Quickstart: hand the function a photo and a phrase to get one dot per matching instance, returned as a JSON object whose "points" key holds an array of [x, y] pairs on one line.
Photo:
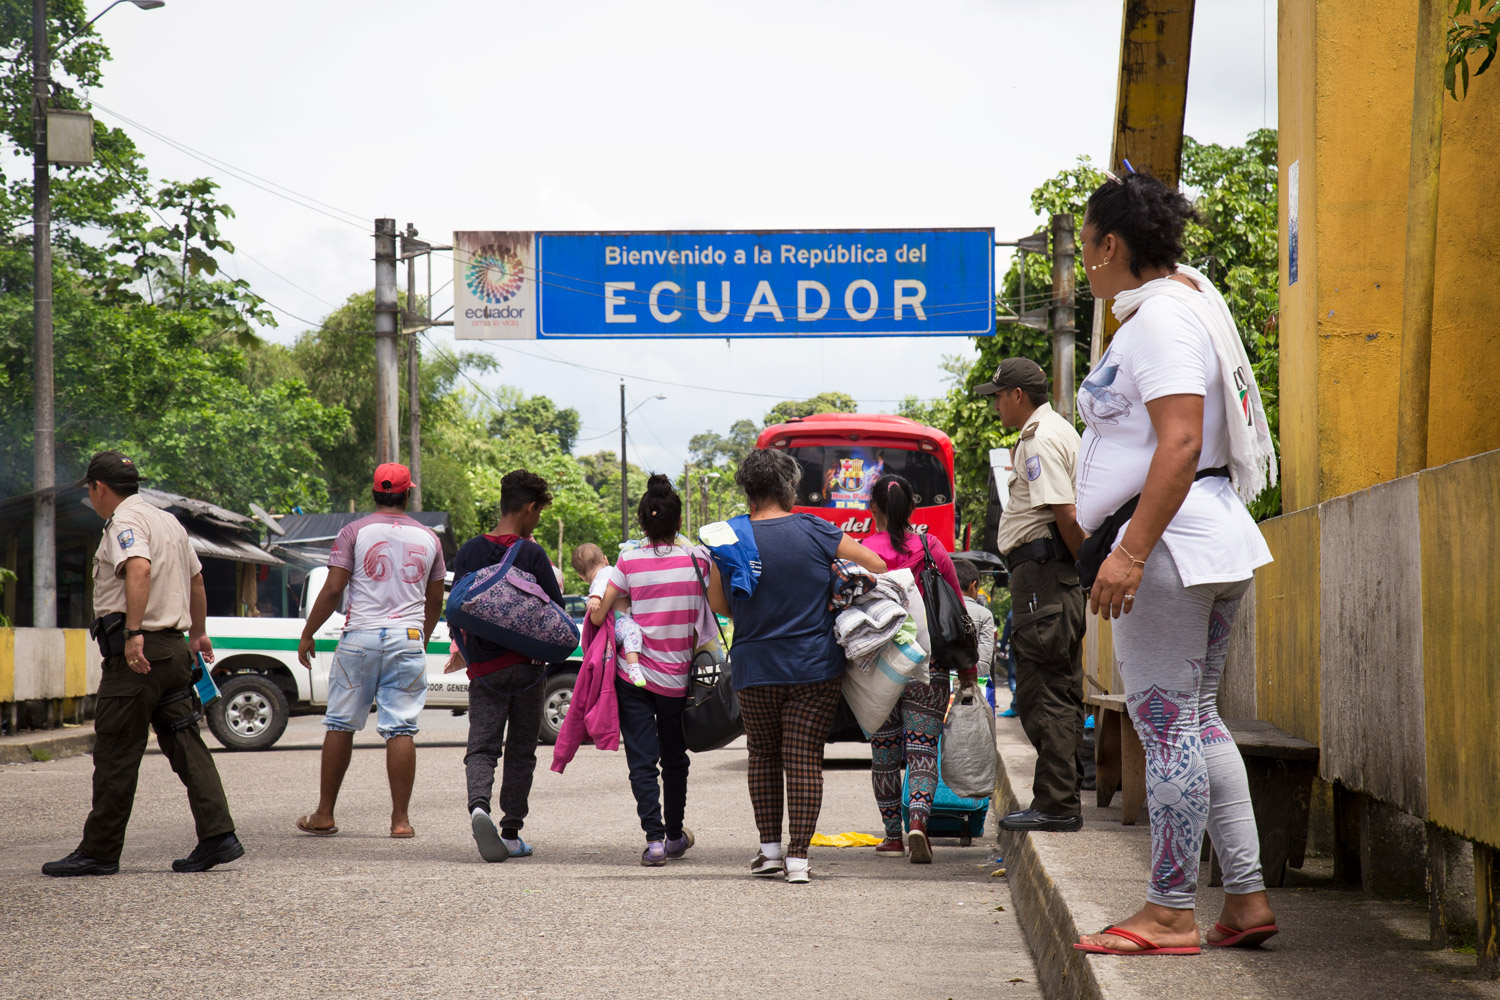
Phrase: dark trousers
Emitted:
{"points": [[505, 717], [786, 726], [127, 707], [651, 726], [1047, 640]]}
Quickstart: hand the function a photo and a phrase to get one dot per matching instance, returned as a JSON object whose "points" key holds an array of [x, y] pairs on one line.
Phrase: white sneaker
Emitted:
{"points": [[487, 836], [798, 874]]}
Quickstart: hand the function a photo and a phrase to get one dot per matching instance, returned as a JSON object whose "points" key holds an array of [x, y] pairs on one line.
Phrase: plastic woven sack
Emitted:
{"points": [[968, 758]]}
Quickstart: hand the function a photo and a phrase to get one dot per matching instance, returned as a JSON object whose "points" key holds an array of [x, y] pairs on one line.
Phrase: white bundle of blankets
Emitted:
{"points": [[883, 629]]}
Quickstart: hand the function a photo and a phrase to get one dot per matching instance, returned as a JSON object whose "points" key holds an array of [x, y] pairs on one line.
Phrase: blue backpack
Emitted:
{"points": [[506, 606]]}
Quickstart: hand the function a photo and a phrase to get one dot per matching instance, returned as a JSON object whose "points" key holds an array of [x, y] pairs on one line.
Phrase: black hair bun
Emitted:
{"points": [[659, 483]]}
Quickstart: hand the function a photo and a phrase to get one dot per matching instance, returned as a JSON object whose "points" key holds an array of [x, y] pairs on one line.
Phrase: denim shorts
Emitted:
{"points": [[383, 667]]}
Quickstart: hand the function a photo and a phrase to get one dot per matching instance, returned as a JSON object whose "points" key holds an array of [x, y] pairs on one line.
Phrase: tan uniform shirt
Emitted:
{"points": [[1044, 464], [137, 529]]}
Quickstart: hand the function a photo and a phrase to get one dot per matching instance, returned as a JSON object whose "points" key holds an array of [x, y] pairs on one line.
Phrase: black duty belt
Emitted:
{"points": [[1040, 550]]}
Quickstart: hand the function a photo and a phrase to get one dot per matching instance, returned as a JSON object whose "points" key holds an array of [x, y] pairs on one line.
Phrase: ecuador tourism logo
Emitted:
{"points": [[495, 274]]}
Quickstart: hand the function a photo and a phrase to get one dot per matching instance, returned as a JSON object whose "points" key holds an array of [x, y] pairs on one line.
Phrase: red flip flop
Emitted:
{"points": [[1250, 937], [1146, 947]]}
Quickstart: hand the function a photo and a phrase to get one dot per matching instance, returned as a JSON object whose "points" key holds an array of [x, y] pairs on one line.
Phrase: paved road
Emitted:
{"points": [[361, 915]]}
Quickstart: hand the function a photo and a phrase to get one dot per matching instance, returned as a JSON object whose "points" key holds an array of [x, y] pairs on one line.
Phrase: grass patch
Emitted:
{"points": [[40, 756]]}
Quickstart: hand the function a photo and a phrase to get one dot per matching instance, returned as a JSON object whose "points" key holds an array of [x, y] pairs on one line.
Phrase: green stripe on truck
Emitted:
{"points": [[290, 645]]}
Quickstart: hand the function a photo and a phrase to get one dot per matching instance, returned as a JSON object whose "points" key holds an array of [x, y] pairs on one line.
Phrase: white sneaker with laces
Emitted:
{"points": [[798, 871]]}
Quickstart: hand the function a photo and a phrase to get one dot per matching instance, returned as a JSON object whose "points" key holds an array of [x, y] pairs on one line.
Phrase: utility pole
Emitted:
{"points": [[1063, 280], [624, 477], [413, 374], [687, 497], [703, 494], [44, 468], [387, 385]]}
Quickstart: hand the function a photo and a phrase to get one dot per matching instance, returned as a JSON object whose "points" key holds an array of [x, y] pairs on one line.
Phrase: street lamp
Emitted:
{"points": [[44, 458], [624, 475]]}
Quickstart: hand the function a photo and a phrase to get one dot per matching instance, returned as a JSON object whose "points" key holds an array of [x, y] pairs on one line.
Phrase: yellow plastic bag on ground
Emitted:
{"points": [[844, 840]]}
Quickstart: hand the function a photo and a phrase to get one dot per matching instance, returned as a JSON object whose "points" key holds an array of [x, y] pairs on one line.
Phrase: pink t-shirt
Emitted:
{"points": [[665, 601], [880, 544], [390, 559]]}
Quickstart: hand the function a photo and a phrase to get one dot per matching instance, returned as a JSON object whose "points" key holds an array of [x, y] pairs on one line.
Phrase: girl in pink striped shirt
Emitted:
{"points": [[659, 582]]}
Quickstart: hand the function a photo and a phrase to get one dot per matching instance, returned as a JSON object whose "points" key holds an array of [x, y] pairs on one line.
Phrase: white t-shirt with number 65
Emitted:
{"points": [[390, 558]]}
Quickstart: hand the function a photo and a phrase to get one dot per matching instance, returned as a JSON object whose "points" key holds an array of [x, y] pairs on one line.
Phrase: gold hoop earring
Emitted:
{"points": [[1096, 267]]}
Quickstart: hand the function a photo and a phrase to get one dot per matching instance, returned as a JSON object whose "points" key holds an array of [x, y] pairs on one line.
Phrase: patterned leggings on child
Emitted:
{"points": [[909, 736], [1171, 650]]}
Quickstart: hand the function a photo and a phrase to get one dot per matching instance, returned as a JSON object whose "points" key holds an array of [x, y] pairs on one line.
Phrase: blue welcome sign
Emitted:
{"points": [[667, 285]]}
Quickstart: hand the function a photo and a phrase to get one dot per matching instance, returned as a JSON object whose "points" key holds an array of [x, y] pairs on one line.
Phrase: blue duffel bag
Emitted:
{"points": [[507, 607]]}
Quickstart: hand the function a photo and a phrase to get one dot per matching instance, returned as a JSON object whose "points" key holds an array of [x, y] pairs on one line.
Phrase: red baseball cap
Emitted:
{"points": [[392, 478]]}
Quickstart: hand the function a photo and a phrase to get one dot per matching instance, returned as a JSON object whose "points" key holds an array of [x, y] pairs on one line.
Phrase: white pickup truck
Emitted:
{"points": [[263, 685]]}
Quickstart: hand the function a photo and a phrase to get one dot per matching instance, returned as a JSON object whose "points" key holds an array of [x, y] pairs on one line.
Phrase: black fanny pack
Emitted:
{"points": [[109, 632], [1096, 548]]}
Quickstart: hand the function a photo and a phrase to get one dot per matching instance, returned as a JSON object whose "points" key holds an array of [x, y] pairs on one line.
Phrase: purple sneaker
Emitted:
{"points": [[655, 854], [676, 847]]}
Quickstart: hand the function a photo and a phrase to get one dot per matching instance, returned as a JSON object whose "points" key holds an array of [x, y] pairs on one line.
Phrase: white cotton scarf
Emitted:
{"points": [[1252, 456]]}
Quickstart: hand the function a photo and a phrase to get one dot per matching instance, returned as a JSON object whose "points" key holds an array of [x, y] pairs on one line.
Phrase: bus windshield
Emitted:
{"points": [[842, 476]]}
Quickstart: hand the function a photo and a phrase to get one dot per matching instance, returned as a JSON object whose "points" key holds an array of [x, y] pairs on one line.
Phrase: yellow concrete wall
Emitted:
{"points": [[1288, 626], [7, 664], [1346, 88], [1461, 644]]}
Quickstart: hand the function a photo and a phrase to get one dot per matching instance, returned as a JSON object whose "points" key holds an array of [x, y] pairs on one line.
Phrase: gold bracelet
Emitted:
{"points": [[1134, 562]]}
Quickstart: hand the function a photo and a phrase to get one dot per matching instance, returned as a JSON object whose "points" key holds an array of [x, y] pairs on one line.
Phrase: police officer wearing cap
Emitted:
{"points": [[148, 589], [1038, 539]]}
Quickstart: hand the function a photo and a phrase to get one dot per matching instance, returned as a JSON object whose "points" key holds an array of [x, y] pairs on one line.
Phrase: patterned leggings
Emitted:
{"points": [[1171, 650], [910, 736], [786, 726]]}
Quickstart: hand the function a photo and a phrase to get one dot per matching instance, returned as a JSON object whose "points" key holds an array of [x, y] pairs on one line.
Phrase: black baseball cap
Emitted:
{"points": [[112, 469], [1015, 373]]}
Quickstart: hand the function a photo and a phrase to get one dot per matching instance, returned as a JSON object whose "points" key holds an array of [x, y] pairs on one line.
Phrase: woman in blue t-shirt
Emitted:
{"points": [[788, 667]]}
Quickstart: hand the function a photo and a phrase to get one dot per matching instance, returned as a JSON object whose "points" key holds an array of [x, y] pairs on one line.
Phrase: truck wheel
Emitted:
{"points": [[555, 698], [250, 714]]}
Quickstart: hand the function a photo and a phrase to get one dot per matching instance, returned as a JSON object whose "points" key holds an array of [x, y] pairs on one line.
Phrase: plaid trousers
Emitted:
{"points": [[786, 726]]}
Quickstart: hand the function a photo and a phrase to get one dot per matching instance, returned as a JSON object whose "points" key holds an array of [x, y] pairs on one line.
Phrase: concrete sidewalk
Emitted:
{"points": [[1334, 942], [46, 744]]}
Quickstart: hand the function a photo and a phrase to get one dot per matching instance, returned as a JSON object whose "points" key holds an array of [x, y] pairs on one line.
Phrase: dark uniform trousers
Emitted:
{"points": [[127, 706], [1047, 641]]}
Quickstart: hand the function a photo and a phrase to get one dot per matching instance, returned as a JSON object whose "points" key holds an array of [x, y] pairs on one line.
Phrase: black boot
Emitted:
{"points": [[78, 864], [213, 851]]}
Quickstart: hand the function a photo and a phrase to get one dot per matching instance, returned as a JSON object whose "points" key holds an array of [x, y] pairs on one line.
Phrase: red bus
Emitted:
{"points": [[843, 454]]}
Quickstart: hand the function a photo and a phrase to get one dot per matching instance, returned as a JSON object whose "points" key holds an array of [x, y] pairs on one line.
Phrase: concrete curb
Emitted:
{"points": [[1044, 915], [69, 743]]}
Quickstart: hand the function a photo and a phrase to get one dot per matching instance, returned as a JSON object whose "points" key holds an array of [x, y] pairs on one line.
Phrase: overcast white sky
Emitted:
{"points": [[650, 115]]}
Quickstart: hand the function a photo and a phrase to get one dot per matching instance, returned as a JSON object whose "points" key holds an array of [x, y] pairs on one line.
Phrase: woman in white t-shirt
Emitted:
{"points": [[1173, 415]]}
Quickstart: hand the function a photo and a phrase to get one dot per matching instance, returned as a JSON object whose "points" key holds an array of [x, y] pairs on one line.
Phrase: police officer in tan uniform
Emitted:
{"points": [[148, 588], [1038, 539]]}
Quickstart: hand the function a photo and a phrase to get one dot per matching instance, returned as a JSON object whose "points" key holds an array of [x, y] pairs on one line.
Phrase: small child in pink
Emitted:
{"points": [[589, 562]]}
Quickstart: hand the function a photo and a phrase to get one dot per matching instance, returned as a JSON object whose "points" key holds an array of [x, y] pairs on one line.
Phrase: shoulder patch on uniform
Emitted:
{"points": [[1033, 468], [1028, 433], [126, 538]]}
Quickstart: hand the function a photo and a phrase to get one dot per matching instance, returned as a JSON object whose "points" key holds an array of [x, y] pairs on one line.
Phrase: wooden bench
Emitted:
{"points": [[1280, 768], [1119, 760]]}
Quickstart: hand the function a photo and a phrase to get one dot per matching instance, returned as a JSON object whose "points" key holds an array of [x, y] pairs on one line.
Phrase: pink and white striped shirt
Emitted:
{"points": [[667, 603]]}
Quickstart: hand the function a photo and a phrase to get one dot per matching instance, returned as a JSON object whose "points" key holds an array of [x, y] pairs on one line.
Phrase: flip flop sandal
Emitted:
{"points": [[523, 851], [1146, 947], [1250, 937], [403, 836], [304, 824]]}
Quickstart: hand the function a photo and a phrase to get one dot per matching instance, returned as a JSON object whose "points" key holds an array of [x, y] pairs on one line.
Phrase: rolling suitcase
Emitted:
{"points": [[951, 816]]}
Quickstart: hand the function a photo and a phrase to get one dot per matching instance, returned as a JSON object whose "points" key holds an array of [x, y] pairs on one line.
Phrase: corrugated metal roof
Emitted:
{"points": [[227, 547]]}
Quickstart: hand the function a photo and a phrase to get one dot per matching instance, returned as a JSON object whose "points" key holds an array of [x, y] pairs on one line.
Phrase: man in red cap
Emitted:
{"points": [[392, 567]]}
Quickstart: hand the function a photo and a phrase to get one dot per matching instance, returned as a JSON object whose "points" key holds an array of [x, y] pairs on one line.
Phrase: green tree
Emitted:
{"points": [[1479, 34], [711, 449], [823, 402], [540, 414]]}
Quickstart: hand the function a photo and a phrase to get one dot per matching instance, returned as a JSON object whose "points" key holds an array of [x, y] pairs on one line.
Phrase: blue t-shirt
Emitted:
{"points": [[783, 634]]}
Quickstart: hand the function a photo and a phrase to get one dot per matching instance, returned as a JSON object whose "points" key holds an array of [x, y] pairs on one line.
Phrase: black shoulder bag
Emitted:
{"points": [[955, 643], [1097, 547], [711, 717]]}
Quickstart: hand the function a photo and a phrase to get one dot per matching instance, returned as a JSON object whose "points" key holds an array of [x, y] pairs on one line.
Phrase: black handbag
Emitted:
{"points": [[711, 717], [955, 642]]}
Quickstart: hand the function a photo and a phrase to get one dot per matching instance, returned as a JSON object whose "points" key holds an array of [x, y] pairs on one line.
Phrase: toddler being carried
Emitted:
{"points": [[589, 562]]}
